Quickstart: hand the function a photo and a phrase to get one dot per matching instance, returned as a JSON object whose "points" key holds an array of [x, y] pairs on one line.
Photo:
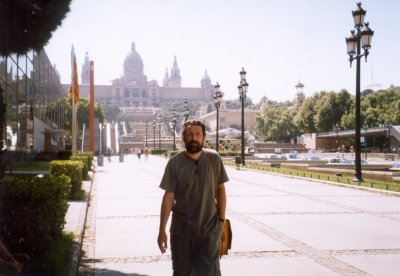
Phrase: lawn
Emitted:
{"points": [[34, 166]]}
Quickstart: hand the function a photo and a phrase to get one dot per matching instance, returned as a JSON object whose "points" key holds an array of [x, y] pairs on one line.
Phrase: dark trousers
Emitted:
{"points": [[196, 256]]}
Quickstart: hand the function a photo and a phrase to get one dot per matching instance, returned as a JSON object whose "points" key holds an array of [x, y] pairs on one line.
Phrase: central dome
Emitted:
{"points": [[133, 67], [133, 56]]}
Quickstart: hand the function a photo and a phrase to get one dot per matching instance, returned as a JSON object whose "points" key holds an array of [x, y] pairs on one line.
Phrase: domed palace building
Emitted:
{"points": [[134, 94]]}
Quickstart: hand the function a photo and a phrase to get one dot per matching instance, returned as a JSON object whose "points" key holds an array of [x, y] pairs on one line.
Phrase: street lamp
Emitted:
{"points": [[388, 127], [354, 42], [173, 123], [336, 128], [242, 93], [217, 101], [185, 109], [146, 125], [154, 132], [159, 121], [365, 126]]}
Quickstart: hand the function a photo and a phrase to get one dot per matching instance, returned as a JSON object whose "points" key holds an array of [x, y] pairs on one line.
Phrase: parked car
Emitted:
{"points": [[334, 161], [269, 155], [312, 158], [352, 161], [396, 165], [292, 156]]}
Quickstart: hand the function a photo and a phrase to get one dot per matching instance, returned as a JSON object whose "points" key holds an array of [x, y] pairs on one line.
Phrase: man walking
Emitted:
{"points": [[195, 193]]}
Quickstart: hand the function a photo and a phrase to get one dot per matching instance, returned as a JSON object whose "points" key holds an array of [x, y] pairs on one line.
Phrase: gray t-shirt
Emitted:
{"points": [[192, 181]]}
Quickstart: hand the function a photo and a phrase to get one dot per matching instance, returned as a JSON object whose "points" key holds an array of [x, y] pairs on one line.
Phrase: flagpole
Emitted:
{"points": [[73, 102], [83, 136]]}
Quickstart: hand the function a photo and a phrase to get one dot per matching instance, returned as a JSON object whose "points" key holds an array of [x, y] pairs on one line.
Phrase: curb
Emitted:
{"points": [[77, 246]]}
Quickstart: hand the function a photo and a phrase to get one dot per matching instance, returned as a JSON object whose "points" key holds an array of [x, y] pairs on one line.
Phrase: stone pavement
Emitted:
{"points": [[281, 225]]}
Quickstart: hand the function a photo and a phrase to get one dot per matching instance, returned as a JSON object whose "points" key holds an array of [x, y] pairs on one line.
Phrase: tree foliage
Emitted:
{"points": [[304, 119], [237, 104], [276, 123], [323, 110], [330, 107], [27, 25], [112, 112], [83, 111]]}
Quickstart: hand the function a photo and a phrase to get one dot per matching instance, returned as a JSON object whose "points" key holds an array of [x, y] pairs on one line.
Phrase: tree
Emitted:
{"points": [[112, 112], [83, 111], [276, 122], [304, 119], [27, 25], [237, 104]]}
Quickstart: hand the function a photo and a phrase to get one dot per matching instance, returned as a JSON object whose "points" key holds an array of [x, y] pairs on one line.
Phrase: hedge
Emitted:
{"points": [[88, 154], [32, 216], [73, 169], [85, 162]]}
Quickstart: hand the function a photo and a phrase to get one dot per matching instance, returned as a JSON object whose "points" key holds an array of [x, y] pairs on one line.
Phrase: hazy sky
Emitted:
{"points": [[278, 42]]}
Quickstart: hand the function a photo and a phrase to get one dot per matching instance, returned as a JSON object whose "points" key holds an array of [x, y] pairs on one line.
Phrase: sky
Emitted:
{"points": [[278, 43]]}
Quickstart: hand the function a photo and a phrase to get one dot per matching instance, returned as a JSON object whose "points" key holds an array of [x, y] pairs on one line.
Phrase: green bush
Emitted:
{"points": [[73, 169], [85, 169], [230, 153], [32, 217], [158, 151], [89, 155]]}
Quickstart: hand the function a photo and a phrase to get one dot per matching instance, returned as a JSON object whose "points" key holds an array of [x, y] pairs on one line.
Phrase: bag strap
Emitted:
{"points": [[213, 169]]}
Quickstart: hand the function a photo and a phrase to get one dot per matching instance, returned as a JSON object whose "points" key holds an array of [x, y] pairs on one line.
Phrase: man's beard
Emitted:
{"points": [[193, 147]]}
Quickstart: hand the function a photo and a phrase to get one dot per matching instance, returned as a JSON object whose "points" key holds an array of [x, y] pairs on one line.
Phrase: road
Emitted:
{"points": [[281, 225]]}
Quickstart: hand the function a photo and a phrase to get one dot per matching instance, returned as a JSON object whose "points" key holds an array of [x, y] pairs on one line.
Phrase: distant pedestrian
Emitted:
{"points": [[146, 153], [195, 193]]}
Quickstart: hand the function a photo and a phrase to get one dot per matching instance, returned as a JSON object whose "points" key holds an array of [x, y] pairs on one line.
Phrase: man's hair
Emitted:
{"points": [[189, 123]]}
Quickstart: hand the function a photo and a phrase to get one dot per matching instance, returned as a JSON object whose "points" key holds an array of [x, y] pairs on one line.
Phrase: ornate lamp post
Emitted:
{"points": [[159, 122], [154, 132], [365, 126], [146, 125], [336, 128], [185, 109], [217, 101], [388, 127], [242, 93], [359, 38], [173, 124]]}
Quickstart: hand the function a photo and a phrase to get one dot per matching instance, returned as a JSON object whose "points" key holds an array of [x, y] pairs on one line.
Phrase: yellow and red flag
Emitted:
{"points": [[73, 90]]}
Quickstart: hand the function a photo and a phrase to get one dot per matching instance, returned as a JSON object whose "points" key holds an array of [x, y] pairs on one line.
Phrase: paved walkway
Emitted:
{"points": [[281, 225]]}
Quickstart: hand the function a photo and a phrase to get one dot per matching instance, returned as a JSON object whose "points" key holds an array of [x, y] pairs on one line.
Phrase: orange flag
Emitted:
{"points": [[74, 80]]}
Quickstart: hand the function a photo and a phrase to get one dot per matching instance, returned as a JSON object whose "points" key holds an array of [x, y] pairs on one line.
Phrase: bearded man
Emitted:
{"points": [[195, 193]]}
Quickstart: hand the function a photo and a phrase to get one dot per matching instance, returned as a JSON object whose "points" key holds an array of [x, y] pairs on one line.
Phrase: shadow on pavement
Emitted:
{"points": [[86, 268], [112, 273]]}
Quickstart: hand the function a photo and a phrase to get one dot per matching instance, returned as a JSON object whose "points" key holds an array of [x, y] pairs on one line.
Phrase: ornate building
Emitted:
{"points": [[133, 89]]}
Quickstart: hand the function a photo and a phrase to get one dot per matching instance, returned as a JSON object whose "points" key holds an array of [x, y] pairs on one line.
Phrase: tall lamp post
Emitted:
{"points": [[359, 38], [388, 127], [154, 132], [159, 121], [217, 101], [242, 93], [365, 126], [173, 123], [185, 109], [146, 125], [336, 129]]}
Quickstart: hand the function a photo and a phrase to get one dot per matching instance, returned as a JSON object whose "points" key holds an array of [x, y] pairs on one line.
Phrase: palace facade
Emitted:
{"points": [[133, 89]]}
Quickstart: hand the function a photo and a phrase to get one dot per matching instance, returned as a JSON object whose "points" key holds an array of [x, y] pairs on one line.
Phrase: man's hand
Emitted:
{"points": [[162, 241], [18, 266]]}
